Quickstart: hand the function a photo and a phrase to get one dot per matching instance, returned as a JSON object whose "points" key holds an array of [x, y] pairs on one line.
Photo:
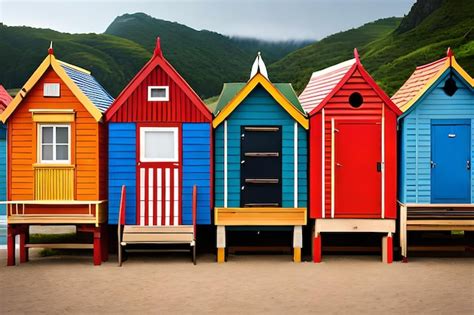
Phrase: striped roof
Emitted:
{"points": [[417, 81], [322, 83], [89, 86], [5, 98]]}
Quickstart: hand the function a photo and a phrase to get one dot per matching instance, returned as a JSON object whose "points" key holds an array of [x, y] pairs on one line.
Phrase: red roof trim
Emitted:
{"points": [[157, 60], [358, 66]]}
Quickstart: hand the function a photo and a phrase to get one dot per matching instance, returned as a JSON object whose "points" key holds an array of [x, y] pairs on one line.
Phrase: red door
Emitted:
{"points": [[159, 175], [358, 174]]}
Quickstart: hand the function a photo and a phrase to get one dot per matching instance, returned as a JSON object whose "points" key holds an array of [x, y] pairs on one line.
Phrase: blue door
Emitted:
{"points": [[450, 161]]}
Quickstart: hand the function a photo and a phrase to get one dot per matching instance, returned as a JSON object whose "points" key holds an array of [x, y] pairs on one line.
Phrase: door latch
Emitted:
{"points": [[379, 167], [433, 164], [242, 188], [468, 164]]}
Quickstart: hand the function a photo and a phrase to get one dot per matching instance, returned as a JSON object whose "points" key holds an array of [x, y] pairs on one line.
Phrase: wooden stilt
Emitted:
{"points": [[297, 255], [317, 248], [387, 249], [221, 255], [23, 249], [97, 247], [105, 243], [11, 246]]}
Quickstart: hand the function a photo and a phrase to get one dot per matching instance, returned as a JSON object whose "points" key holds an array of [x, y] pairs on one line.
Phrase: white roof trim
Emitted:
{"points": [[343, 64], [259, 66]]}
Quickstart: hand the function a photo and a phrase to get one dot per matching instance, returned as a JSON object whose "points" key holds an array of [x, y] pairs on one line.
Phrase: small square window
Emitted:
{"points": [[54, 144], [51, 89], [158, 93]]}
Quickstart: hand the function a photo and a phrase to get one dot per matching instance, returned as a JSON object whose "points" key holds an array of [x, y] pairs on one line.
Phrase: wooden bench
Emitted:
{"points": [[433, 217], [137, 234]]}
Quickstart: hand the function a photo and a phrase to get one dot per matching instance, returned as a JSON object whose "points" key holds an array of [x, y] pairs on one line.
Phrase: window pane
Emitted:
{"points": [[159, 145], [47, 134], [47, 152], [62, 135], [158, 92], [61, 152]]}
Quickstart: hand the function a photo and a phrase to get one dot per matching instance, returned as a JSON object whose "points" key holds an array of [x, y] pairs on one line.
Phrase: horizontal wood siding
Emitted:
{"points": [[415, 168], [137, 108], [196, 171], [260, 109], [122, 169], [22, 142], [338, 107]]}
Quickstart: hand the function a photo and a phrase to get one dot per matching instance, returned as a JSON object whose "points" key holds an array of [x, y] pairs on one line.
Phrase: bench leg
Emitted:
{"points": [[403, 234], [387, 249], [10, 246], [193, 251], [317, 248], [221, 244], [297, 243], [97, 247]]}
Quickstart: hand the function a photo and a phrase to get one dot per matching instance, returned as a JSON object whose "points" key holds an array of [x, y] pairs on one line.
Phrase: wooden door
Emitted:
{"points": [[159, 176], [261, 166], [357, 169]]}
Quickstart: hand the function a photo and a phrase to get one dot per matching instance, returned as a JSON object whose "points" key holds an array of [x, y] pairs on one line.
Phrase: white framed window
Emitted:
{"points": [[158, 93], [51, 89], [159, 144], [54, 145]]}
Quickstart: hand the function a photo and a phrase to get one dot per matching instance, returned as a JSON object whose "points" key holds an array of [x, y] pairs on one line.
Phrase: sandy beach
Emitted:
{"points": [[169, 283]]}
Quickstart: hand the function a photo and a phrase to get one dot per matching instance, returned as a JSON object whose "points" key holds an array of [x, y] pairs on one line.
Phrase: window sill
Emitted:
{"points": [[46, 165]]}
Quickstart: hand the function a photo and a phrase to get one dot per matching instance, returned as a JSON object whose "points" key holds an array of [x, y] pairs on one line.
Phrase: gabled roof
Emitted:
{"points": [[157, 60], [234, 93], [424, 77], [325, 83], [81, 83], [5, 98]]}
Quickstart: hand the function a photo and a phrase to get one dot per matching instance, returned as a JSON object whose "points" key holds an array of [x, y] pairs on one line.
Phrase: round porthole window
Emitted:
{"points": [[356, 100], [450, 87]]}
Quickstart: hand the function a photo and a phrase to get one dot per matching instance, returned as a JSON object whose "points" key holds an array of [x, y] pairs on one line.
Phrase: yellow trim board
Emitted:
{"points": [[268, 86], [455, 66], [50, 60], [53, 117]]}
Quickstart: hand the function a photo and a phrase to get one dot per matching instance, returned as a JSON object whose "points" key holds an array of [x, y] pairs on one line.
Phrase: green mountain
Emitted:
{"points": [[390, 48], [205, 59]]}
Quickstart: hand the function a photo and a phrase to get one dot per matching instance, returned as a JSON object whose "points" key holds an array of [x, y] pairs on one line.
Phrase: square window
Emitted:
{"points": [[51, 89], [158, 93], [159, 144], [54, 144]]}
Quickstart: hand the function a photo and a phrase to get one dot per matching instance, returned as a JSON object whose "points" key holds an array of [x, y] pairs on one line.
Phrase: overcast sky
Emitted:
{"points": [[266, 19]]}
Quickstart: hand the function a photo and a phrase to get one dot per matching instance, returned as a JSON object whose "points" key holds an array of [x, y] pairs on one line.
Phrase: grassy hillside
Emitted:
{"points": [[205, 59], [111, 59], [391, 48], [298, 66]]}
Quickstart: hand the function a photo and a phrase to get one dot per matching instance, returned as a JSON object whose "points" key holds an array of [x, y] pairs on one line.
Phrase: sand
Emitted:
{"points": [[168, 283]]}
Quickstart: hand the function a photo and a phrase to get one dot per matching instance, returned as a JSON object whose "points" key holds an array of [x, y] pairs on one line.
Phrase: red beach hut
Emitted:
{"points": [[353, 154]]}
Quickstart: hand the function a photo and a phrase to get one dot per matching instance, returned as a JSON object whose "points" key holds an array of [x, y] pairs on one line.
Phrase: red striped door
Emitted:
{"points": [[159, 176]]}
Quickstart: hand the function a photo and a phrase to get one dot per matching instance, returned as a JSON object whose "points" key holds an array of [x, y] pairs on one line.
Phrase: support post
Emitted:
{"points": [[105, 242], [317, 248], [10, 246], [221, 244], [403, 233], [24, 231], [97, 246], [387, 249], [297, 243]]}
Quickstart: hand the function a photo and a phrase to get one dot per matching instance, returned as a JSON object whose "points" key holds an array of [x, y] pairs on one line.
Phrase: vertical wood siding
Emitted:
{"points": [[179, 108], [22, 143], [54, 183], [196, 171], [259, 108], [338, 107], [122, 170], [415, 157]]}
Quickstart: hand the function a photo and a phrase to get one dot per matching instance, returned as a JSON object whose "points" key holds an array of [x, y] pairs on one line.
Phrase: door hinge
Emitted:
{"points": [[433, 164]]}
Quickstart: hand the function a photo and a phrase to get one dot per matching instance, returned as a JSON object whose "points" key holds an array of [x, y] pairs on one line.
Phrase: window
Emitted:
{"points": [[158, 93], [51, 90], [356, 100], [159, 144], [54, 144]]}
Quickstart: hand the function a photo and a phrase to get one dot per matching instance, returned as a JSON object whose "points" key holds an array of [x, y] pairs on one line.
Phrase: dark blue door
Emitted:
{"points": [[450, 161]]}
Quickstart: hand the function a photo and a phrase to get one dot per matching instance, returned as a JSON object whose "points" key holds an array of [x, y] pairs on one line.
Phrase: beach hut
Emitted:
{"points": [[5, 99], [160, 160], [57, 156], [353, 154], [436, 186], [260, 158]]}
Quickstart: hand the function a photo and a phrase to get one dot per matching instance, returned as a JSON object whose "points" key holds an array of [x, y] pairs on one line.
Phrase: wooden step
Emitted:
{"points": [[61, 246], [179, 234], [158, 229]]}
